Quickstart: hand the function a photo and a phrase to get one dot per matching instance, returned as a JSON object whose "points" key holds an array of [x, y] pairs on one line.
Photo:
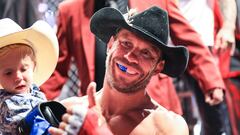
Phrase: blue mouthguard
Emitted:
{"points": [[123, 68]]}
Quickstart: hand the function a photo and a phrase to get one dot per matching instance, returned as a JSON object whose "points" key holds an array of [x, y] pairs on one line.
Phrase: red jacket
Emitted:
{"points": [[233, 92], [76, 40]]}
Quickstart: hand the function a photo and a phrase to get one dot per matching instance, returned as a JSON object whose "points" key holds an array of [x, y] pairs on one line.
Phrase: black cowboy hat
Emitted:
{"points": [[151, 24]]}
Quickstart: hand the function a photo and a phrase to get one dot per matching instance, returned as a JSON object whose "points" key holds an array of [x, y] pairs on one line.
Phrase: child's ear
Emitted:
{"points": [[35, 65], [159, 67]]}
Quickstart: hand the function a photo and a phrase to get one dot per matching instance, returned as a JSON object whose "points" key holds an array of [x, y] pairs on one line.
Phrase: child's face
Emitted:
{"points": [[16, 72]]}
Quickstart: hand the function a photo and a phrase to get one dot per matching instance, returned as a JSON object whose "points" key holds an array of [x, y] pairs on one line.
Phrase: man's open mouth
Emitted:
{"points": [[122, 68], [128, 70]]}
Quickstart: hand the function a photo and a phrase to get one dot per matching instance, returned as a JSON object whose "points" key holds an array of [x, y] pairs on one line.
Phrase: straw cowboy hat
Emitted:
{"points": [[41, 37], [151, 24]]}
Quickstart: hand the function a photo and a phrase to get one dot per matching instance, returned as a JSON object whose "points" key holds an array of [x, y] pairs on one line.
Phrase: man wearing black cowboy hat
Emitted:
{"points": [[77, 41], [137, 49]]}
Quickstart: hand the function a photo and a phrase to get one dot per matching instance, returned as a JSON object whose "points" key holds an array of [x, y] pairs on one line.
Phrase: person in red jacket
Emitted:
{"points": [[77, 41], [215, 21]]}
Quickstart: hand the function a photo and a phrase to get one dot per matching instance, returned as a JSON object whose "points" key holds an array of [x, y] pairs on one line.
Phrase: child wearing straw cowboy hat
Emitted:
{"points": [[27, 59]]}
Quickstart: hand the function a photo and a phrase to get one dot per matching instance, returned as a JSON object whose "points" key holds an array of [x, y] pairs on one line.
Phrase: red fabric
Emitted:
{"points": [[224, 57], [237, 36], [218, 19], [166, 90], [76, 40], [232, 93], [233, 102], [224, 63], [90, 125], [233, 74]]}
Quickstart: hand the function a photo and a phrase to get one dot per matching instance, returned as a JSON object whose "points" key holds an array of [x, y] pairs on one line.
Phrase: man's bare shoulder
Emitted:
{"points": [[168, 122]]}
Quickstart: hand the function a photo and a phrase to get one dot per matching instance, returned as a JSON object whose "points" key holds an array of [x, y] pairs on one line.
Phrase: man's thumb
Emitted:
{"points": [[91, 90]]}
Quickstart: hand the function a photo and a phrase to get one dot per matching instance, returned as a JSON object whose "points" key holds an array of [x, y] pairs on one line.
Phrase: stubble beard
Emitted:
{"points": [[137, 86]]}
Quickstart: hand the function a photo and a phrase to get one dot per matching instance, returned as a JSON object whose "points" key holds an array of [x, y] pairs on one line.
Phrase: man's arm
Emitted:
{"points": [[226, 36]]}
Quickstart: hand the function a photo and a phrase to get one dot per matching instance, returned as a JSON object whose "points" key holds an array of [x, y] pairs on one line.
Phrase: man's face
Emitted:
{"points": [[131, 62], [16, 72]]}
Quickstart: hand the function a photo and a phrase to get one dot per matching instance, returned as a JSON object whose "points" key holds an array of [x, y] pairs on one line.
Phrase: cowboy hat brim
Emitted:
{"points": [[107, 21], [44, 42]]}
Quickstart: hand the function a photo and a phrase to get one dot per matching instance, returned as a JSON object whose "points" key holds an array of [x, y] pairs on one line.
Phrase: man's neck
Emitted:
{"points": [[115, 103]]}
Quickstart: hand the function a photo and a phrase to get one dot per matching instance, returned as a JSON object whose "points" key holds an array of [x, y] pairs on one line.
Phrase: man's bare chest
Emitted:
{"points": [[134, 125]]}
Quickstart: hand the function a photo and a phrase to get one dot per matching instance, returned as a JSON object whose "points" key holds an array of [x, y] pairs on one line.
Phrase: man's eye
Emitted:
{"points": [[146, 54], [125, 44]]}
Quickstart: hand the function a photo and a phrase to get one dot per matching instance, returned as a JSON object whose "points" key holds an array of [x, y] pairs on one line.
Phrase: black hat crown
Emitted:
{"points": [[154, 22]]}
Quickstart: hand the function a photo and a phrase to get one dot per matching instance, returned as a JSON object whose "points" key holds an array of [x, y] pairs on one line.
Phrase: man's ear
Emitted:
{"points": [[159, 67]]}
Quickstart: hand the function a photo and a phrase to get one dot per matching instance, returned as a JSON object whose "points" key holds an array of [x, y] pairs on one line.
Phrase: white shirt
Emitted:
{"points": [[200, 15]]}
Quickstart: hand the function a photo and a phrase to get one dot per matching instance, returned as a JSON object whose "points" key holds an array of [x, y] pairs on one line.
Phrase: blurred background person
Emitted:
{"points": [[24, 12], [215, 22]]}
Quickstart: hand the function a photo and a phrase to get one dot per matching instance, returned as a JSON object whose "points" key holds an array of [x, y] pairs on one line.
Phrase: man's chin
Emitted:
{"points": [[128, 88]]}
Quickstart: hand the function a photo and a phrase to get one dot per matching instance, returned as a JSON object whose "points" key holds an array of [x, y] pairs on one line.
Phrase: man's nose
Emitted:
{"points": [[131, 56]]}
